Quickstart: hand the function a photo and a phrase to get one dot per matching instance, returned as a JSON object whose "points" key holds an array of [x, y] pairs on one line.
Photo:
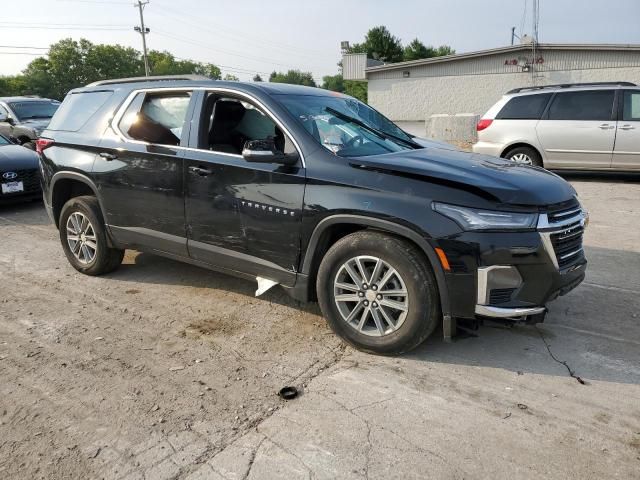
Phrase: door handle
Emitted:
{"points": [[108, 156], [626, 127], [203, 172], [605, 126]]}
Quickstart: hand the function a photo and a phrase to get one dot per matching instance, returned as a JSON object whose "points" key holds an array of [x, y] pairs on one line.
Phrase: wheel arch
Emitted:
{"points": [[67, 185], [333, 228], [515, 145]]}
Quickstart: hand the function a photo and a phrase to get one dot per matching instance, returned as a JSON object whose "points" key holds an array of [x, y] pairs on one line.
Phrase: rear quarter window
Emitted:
{"points": [[77, 109], [525, 107]]}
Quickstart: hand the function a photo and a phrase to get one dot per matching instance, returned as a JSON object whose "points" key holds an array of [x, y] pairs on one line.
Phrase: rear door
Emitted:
{"points": [[578, 130], [139, 171], [626, 154], [242, 216]]}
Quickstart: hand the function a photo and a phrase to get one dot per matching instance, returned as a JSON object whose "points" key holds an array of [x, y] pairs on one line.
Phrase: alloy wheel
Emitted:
{"points": [[81, 238], [371, 296], [522, 158]]}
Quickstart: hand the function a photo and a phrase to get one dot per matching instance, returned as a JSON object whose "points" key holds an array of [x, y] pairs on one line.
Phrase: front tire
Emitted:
{"points": [[378, 293], [83, 237]]}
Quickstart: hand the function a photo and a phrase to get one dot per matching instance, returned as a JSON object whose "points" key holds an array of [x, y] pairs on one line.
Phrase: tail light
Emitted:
{"points": [[42, 144], [484, 123]]}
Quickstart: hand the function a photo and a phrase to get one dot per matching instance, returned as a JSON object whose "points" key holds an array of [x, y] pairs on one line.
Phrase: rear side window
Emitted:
{"points": [[156, 118], [589, 105], [526, 107], [77, 109], [631, 106]]}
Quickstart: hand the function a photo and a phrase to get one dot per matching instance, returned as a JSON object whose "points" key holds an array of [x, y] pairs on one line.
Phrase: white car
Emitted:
{"points": [[590, 126]]}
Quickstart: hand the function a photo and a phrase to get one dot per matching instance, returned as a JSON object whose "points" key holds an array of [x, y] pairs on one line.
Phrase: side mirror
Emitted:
{"points": [[264, 151], [4, 118]]}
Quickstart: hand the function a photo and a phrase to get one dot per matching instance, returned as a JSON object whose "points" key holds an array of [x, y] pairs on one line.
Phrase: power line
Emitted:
{"points": [[242, 37], [28, 48], [228, 52]]}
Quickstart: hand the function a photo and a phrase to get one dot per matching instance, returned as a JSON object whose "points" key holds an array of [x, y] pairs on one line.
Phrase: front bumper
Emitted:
{"points": [[514, 275]]}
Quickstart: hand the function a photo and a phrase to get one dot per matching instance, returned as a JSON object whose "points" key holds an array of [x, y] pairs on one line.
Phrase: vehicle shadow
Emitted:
{"points": [[26, 213], [148, 268], [595, 329], [609, 177]]}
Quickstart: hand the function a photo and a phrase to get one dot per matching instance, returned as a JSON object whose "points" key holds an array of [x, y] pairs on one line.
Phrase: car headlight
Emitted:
{"points": [[474, 219]]}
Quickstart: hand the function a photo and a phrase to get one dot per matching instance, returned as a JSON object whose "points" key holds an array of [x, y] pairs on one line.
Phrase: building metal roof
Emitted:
{"points": [[525, 47]]}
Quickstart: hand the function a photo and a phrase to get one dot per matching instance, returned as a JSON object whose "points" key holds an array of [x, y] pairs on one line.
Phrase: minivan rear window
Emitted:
{"points": [[585, 105], [77, 109], [525, 107]]}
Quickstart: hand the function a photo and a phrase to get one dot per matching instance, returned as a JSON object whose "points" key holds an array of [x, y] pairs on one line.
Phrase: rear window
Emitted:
{"points": [[589, 105], [77, 109], [526, 107]]}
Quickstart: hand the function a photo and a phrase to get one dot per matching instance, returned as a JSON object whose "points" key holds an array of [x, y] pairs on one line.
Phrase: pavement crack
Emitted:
{"points": [[572, 373], [252, 459]]}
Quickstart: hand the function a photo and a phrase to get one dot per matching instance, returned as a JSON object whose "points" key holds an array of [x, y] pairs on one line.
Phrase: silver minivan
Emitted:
{"points": [[589, 126]]}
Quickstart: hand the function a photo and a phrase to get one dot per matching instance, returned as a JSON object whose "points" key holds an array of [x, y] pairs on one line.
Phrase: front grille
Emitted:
{"points": [[563, 212], [30, 180], [567, 245], [500, 295]]}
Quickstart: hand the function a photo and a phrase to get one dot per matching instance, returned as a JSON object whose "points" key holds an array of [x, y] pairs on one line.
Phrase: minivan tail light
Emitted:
{"points": [[42, 144], [484, 123]]}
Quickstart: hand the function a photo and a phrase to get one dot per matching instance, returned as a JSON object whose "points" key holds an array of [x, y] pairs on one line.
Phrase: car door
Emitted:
{"points": [[139, 171], [242, 216], [626, 153], [578, 130]]}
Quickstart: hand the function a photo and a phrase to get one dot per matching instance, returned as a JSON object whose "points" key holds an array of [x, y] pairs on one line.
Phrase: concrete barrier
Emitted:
{"points": [[452, 128]]}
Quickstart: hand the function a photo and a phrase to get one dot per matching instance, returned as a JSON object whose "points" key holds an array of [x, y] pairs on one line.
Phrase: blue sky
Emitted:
{"points": [[249, 36]]}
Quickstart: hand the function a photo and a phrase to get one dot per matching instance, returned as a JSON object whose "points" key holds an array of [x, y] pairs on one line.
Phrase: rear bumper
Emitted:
{"points": [[488, 148]]}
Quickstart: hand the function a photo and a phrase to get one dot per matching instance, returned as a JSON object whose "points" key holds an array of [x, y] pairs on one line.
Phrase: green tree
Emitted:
{"points": [[257, 78], [380, 44], [12, 85], [231, 78], [333, 82], [356, 89], [417, 50], [164, 63], [72, 64], [295, 77]]}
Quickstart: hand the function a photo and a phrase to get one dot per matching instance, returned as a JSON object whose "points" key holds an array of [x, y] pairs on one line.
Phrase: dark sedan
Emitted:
{"points": [[19, 178]]}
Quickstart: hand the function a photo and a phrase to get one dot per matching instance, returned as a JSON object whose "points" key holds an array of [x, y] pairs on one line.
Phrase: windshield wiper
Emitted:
{"points": [[33, 117], [379, 133]]}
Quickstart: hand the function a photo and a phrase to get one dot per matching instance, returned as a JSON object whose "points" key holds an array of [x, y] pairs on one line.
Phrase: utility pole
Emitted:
{"points": [[513, 34], [142, 30]]}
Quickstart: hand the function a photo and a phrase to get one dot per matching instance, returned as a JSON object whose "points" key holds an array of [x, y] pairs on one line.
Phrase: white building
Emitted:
{"points": [[410, 92]]}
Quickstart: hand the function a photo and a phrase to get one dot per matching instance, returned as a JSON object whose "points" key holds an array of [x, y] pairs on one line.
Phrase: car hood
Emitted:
{"points": [[501, 179], [16, 157]]}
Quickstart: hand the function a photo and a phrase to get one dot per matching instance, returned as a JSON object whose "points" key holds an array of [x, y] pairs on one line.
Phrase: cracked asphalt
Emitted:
{"points": [[165, 371]]}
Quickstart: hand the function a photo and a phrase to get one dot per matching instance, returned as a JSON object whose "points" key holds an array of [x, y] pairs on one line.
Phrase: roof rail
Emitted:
{"points": [[158, 78], [569, 85]]}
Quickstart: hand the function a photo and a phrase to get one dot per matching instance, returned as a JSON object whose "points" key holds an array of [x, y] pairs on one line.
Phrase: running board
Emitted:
{"points": [[264, 284]]}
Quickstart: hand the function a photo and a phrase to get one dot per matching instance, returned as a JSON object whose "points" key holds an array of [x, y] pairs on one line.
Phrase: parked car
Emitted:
{"points": [[588, 126], [24, 118], [390, 237], [19, 179]]}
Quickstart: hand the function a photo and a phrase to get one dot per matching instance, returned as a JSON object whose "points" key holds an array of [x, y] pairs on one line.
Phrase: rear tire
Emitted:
{"points": [[394, 308], [84, 239], [525, 155]]}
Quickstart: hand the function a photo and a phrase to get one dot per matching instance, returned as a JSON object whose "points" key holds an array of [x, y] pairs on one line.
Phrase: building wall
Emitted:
{"points": [[473, 85]]}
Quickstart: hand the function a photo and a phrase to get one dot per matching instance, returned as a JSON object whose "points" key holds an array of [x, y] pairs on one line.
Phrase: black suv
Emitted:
{"points": [[312, 190]]}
